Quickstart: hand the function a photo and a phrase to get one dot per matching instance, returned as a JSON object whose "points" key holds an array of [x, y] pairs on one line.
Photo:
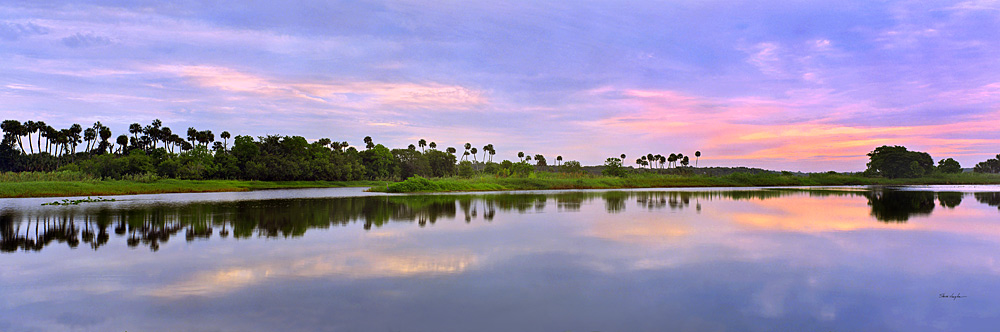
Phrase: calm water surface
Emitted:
{"points": [[833, 259]]}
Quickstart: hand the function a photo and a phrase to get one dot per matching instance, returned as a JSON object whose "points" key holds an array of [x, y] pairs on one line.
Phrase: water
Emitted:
{"points": [[826, 259]]}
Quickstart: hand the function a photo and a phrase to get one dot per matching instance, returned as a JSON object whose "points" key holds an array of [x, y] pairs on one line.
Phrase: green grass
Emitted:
{"points": [[61, 184], [545, 181], [91, 187]]}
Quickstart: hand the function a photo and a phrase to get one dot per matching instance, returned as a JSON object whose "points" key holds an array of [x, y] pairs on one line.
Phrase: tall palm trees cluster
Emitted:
{"points": [[56, 142], [488, 153], [96, 139], [651, 160]]}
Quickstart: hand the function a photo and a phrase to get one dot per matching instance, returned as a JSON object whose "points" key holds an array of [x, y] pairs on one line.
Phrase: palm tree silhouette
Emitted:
{"points": [[422, 142], [122, 141], [697, 154]]}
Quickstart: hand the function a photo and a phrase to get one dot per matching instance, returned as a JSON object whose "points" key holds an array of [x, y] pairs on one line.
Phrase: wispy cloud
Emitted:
{"points": [[80, 39], [10, 31]]}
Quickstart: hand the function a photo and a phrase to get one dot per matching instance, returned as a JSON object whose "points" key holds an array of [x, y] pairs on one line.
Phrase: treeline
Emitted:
{"points": [[154, 151], [898, 162]]}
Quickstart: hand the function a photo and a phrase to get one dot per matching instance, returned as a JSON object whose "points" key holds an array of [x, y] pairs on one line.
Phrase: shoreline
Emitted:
{"points": [[84, 188], [39, 189]]}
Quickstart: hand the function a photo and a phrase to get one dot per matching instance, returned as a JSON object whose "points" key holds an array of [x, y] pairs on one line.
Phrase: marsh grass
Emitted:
{"points": [[61, 184], [543, 181], [45, 176], [146, 185]]}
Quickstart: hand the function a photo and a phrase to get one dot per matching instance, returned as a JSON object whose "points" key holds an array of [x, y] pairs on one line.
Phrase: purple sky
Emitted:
{"points": [[797, 85]]}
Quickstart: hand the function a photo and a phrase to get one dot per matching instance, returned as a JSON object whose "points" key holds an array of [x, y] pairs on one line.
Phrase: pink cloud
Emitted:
{"points": [[356, 94], [742, 129]]}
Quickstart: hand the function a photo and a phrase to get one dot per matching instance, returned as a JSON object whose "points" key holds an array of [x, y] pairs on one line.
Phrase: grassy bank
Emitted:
{"points": [[545, 181], [76, 184], [73, 185]]}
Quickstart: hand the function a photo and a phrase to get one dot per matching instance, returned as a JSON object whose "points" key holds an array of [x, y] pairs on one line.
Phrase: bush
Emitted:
{"points": [[413, 184], [613, 167], [465, 169]]}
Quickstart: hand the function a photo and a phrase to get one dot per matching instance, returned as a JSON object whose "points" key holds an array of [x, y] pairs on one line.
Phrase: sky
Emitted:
{"points": [[786, 85]]}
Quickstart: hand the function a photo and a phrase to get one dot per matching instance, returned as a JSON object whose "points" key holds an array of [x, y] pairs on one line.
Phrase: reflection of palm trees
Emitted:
{"points": [[153, 226]]}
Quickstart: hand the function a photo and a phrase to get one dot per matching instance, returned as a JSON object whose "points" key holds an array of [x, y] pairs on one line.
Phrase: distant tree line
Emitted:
{"points": [[156, 150]]}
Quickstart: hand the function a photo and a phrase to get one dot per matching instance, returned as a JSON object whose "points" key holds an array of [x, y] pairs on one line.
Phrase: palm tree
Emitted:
{"points": [[40, 127], [685, 161], [697, 154], [105, 134], [539, 159], [51, 135], [662, 161], [451, 150], [672, 159], [558, 160], [411, 147], [13, 128], [368, 142], [122, 141], [89, 135], [192, 135], [433, 145], [30, 127], [623, 156], [656, 158], [165, 134], [474, 151], [422, 142], [74, 135], [520, 155], [225, 139], [136, 128], [467, 147]]}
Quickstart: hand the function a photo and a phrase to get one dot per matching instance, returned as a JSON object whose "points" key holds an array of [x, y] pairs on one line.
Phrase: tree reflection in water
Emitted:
{"points": [[153, 225], [991, 199]]}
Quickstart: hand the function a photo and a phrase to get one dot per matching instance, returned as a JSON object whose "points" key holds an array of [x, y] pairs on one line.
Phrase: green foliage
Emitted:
{"points": [[465, 169], [45, 176], [244, 148], [411, 162], [379, 162], [413, 184], [441, 163], [613, 167], [988, 166], [896, 162], [521, 169], [571, 166]]}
